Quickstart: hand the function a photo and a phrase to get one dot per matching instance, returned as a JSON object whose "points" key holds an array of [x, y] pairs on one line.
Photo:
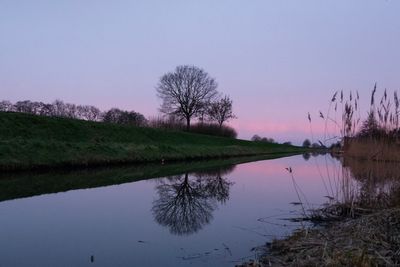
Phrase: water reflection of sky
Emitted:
{"points": [[118, 225]]}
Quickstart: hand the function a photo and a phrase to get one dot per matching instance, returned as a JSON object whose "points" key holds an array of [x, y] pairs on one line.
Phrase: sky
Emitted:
{"points": [[277, 60]]}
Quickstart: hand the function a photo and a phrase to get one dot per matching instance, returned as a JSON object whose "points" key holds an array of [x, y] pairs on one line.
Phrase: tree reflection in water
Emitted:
{"points": [[186, 202]]}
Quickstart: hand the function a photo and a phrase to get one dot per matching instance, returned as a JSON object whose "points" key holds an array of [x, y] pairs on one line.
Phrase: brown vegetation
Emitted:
{"points": [[370, 240], [358, 226], [373, 149]]}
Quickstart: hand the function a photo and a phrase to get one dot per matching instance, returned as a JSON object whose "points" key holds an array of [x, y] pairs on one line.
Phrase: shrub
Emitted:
{"points": [[257, 138], [306, 143], [118, 116], [178, 124], [214, 129]]}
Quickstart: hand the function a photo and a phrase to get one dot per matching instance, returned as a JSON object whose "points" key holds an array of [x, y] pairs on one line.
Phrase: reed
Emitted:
{"points": [[361, 219], [375, 137]]}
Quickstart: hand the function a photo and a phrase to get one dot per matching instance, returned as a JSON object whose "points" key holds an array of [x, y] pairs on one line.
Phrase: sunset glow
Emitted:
{"points": [[277, 61]]}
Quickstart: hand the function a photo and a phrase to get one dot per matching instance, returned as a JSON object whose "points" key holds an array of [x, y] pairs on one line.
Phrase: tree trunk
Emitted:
{"points": [[187, 123]]}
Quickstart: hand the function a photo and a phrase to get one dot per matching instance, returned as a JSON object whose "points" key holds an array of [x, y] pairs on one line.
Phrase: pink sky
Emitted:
{"points": [[277, 60]]}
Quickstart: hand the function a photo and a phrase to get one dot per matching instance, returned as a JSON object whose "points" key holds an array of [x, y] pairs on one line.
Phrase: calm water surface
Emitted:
{"points": [[209, 218]]}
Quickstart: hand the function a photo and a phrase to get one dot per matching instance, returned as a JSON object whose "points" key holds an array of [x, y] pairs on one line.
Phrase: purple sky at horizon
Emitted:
{"points": [[278, 60]]}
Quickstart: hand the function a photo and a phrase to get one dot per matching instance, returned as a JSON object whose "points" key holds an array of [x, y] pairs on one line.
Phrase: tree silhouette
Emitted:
{"points": [[186, 91], [221, 110], [186, 202]]}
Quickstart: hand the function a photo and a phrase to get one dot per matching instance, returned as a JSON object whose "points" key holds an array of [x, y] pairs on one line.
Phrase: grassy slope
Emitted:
{"points": [[28, 141]]}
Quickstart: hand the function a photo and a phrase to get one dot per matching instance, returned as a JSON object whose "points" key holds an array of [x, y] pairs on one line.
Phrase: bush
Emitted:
{"points": [[176, 123], [306, 143], [171, 122], [213, 129], [118, 116], [257, 138]]}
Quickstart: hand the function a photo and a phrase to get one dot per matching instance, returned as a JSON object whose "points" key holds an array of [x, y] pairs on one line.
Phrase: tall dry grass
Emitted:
{"points": [[375, 136], [353, 187]]}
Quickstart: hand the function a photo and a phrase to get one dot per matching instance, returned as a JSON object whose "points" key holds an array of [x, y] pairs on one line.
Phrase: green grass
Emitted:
{"points": [[30, 142]]}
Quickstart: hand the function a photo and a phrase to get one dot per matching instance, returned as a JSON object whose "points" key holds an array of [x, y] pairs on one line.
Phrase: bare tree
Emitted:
{"points": [[24, 107], [184, 91], [46, 110], [6, 106], [94, 114], [221, 110], [58, 109], [118, 116], [70, 111], [89, 113]]}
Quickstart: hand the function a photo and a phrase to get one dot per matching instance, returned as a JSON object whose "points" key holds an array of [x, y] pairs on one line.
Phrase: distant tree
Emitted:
{"points": [[25, 106], [221, 110], [287, 143], [135, 118], [94, 114], [118, 116], [315, 145], [6, 106], [256, 138], [89, 113], [58, 109], [306, 143], [82, 112], [70, 111], [185, 91], [267, 140], [37, 108], [112, 116], [46, 110]]}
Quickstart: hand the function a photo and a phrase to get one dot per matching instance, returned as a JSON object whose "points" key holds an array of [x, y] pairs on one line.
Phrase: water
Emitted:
{"points": [[208, 218]]}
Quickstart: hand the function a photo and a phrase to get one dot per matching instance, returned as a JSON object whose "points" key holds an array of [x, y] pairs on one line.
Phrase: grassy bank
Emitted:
{"points": [[34, 142]]}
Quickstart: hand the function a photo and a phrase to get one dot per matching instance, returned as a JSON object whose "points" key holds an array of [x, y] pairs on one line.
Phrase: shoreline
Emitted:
{"points": [[14, 184], [93, 164], [368, 240], [29, 142]]}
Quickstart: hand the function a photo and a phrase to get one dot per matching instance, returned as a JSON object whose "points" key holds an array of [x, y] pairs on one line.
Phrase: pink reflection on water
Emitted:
{"points": [[315, 178]]}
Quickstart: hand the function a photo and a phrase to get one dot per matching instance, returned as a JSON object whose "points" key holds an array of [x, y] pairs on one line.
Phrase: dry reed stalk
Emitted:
{"points": [[370, 240]]}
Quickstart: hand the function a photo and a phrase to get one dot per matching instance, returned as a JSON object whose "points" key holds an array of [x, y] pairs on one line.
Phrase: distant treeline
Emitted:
{"points": [[91, 113], [257, 138], [83, 112]]}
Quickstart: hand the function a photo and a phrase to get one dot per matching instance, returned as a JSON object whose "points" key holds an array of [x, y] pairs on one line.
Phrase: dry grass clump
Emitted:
{"points": [[374, 149], [370, 240]]}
